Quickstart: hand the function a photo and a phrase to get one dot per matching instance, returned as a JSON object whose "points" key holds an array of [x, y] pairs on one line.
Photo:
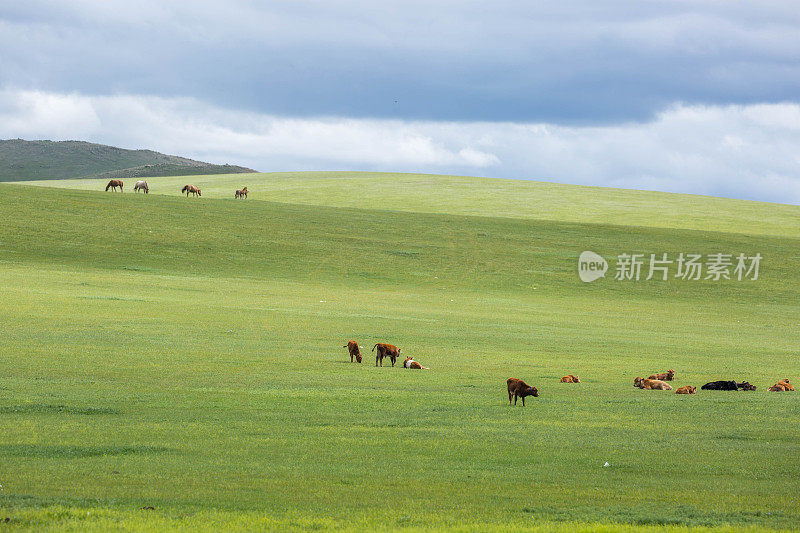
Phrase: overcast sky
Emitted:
{"points": [[700, 96]]}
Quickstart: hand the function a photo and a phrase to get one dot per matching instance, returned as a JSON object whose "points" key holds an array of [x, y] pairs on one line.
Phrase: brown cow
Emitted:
{"points": [[570, 379], [410, 363], [519, 389], [352, 347], [686, 389], [651, 384], [386, 350], [781, 386], [669, 375]]}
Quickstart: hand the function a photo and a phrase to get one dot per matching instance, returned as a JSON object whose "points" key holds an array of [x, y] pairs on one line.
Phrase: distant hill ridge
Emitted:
{"points": [[35, 160]]}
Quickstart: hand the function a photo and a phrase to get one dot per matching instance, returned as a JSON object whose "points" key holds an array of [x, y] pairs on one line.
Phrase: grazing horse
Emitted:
{"points": [[141, 185], [113, 184], [241, 193], [191, 189]]}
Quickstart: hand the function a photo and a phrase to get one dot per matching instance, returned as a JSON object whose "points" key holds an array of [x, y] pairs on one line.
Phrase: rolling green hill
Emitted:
{"points": [[34, 160], [463, 195], [186, 355]]}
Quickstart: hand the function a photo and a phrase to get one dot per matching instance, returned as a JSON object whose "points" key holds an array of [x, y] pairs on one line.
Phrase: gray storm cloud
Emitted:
{"points": [[551, 61]]}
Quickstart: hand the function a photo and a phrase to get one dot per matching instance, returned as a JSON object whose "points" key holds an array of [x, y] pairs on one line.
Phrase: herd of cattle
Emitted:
{"points": [[384, 350], [659, 382], [519, 389], [141, 185], [516, 387]]}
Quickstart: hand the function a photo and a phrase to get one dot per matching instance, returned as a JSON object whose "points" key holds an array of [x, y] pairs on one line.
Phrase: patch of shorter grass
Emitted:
{"points": [[40, 408], [74, 452]]}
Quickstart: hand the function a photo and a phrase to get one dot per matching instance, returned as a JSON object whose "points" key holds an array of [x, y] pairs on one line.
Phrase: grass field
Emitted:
{"points": [[460, 195], [186, 355]]}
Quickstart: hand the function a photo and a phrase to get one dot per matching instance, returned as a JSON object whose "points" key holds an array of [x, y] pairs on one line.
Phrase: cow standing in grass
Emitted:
{"points": [[352, 347], [386, 350], [519, 389]]}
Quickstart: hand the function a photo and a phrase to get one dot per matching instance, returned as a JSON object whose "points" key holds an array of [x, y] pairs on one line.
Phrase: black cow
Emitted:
{"points": [[720, 385]]}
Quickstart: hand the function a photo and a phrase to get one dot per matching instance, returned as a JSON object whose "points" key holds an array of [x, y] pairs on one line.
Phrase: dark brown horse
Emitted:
{"points": [[241, 193], [191, 189], [113, 184]]}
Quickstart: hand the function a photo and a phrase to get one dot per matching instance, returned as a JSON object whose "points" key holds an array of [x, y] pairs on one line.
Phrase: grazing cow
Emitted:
{"points": [[410, 363], [519, 389], [744, 385], [352, 347], [141, 185], [686, 389], [191, 189], [669, 375], [113, 184], [651, 384], [570, 379], [720, 385], [386, 350]]}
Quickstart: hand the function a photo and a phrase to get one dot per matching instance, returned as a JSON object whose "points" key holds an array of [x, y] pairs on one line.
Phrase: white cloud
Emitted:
{"points": [[736, 151]]}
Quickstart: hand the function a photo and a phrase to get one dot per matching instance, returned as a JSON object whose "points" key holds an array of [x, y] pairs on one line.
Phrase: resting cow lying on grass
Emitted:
{"points": [[651, 384], [669, 375], [720, 385], [728, 385], [686, 389], [782, 386], [410, 363], [570, 379]]}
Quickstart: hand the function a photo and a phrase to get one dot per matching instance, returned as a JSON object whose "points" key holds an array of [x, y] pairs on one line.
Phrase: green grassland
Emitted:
{"points": [[462, 195], [186, 355]]}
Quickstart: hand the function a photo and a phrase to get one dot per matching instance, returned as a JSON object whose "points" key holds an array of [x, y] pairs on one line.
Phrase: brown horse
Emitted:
{"points": [[191, 189], [241, 193], [113, 184]]}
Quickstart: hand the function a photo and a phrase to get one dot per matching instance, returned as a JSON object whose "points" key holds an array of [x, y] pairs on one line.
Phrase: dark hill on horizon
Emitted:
{"points": [[22, 160]]}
